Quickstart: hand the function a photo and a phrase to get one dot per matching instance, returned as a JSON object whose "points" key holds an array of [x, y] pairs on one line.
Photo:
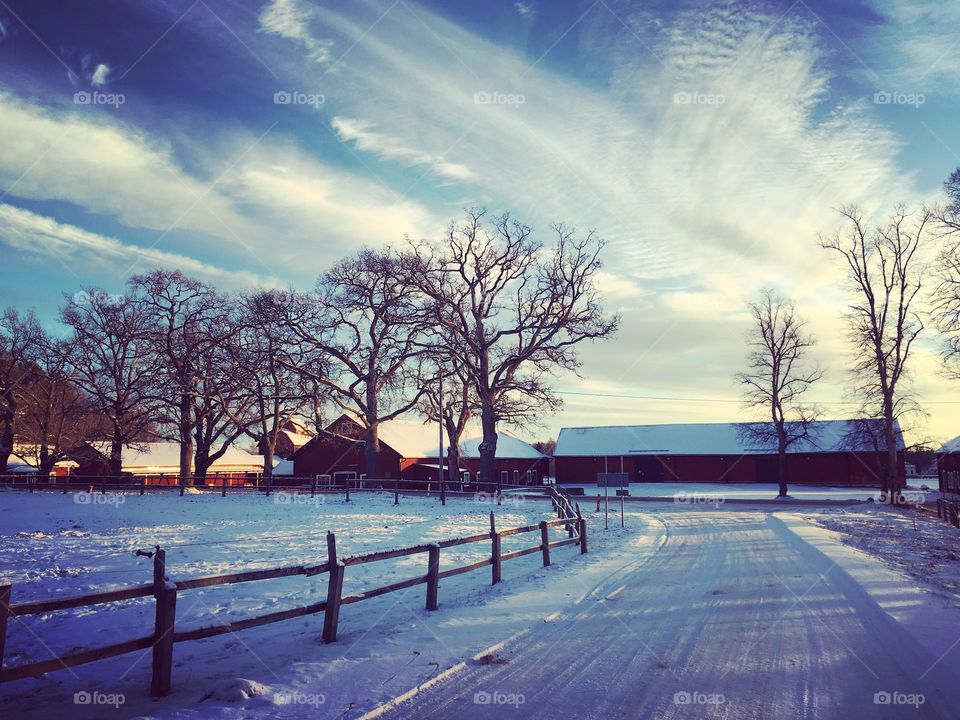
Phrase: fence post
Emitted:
{"points": [[396, 492], [331, 616], [347, 484], [166, 599], [313, 486], [582, 531], [30, 483], [433, 575], [4, 614], [495, 555], [163, 640], [143, 484], [545, 542]]}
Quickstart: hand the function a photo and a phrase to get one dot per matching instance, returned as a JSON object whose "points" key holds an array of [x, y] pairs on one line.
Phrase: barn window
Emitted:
{"points": [[516, 477], [504, 477]]}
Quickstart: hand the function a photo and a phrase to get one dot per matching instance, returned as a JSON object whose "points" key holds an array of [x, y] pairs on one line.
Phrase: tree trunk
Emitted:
{"points": [[45, 460], [488, 448], [888, 478], [890, 475], [782, 466], [186, 440], [6, 442], [453, 452], [116, 455], [201, 466], [371, 450]]}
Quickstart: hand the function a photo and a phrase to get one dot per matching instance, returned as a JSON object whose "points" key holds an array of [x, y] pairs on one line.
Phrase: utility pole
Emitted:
{"points": [[443, 489]]}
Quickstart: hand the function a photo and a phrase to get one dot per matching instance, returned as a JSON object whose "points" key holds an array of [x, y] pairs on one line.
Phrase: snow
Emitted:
{"points": [[761, 606], [694, 439]]}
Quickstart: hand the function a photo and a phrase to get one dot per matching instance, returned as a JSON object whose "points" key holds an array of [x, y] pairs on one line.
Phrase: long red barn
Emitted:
{"points": [[837, 452]]}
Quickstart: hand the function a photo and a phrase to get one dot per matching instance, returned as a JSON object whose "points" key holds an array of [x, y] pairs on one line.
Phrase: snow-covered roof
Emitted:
{"points": [[164, 457], [298, 439], [950, 447], [283, 467], [705, 439], [413, 439]]}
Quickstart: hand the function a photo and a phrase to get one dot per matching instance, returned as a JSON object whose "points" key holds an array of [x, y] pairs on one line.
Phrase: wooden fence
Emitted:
{"points": [[228, 484], [949, 510], [164, 591]]}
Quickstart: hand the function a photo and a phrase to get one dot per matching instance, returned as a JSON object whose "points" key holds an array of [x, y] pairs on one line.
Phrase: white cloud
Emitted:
{"points": [[361, 133], [99, 77], [37, 234], [525, 10], [290, 19]]}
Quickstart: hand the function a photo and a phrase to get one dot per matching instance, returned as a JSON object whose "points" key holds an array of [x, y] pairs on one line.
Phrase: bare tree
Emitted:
{"points": [[55, 416], [514, 312], [458, 401], [188, 318], [224, 404], [777, 376], [365, 320], [20, 336], [109, 356], [268, 357], [946, 298], [885, 272]]}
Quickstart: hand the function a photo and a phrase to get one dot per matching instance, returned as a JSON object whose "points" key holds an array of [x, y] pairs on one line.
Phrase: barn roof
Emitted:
{"points": [[950, 447], [712, 439], [413, 439], [164, 457]]}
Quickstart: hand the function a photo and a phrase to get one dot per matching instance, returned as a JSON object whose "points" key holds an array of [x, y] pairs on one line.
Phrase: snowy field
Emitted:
{"points": [[53, 546], [757, 611]]}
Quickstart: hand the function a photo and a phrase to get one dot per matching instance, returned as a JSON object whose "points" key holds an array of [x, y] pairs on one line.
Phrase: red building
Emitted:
{"points": [[409, 450], [837, 452], [948, 466], [341, 454]]}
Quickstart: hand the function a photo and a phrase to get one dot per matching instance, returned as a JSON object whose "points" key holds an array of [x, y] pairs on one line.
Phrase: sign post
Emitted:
{"points": [[608, 480]]}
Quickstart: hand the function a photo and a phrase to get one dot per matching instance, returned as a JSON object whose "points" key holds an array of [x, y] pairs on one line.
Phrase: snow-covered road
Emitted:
{"points": [[736, 616]]}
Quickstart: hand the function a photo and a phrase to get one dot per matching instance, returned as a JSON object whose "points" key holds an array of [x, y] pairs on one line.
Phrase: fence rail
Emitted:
{"points": [[233, 484], [164, 592], [949, 510]]}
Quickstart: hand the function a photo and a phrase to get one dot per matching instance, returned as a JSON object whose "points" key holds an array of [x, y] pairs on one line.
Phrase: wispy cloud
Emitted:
{"points": [[362, 133], [100, 75], [525, 10], [40, 235], [291, 19]]}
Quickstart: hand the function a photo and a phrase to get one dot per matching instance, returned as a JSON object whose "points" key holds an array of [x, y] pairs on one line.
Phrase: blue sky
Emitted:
{"points": [[705, 141]]}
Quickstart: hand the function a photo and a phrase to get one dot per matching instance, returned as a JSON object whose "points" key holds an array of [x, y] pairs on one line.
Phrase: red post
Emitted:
{"points": [[4, 614], [496, 563], [331, 616], [545, 542], [433, 575]]}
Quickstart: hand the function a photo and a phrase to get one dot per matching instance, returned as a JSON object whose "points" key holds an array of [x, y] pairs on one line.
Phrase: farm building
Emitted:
{"points": [[837, 452], [293, 436], [158, 462], [341, 454], [410, 451], [948, 466], [516, 462]]}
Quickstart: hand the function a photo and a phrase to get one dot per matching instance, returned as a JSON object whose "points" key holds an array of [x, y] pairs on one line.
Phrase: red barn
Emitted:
{"points": [[948, 466], [341, 454], [837, 452]]}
